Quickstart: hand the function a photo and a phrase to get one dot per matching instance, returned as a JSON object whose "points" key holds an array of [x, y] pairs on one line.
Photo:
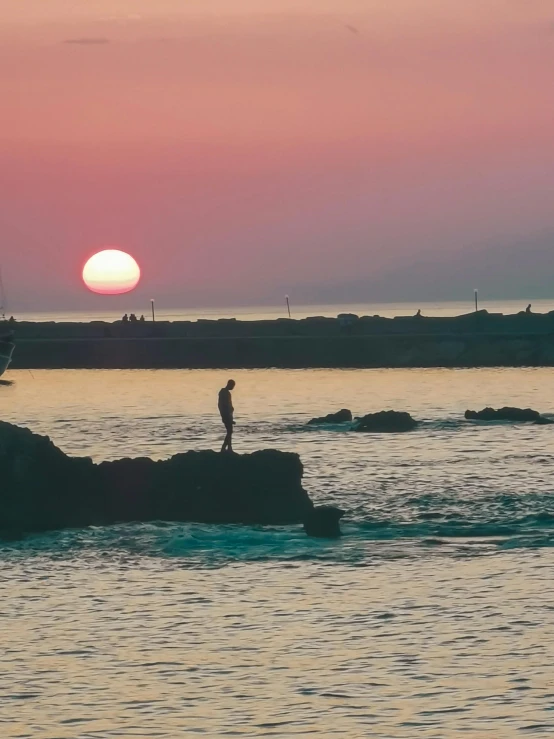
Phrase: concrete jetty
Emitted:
{"points": [[478, 339]]}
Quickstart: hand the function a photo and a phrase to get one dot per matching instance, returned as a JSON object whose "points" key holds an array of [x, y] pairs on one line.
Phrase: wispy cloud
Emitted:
{"points": [[87, 41]]}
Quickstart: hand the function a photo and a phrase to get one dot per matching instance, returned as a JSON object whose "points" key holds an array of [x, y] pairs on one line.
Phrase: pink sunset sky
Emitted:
{"points": [[336, 150]]}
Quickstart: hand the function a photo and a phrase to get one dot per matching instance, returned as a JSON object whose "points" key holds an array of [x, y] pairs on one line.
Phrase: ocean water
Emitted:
{"points": [[432, 617]]}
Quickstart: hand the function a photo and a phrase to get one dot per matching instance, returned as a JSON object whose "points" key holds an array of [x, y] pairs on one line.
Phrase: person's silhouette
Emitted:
{"points": [[225, 405]]}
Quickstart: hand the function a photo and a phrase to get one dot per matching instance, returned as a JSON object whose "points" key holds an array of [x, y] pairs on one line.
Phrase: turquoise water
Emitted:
{"points": [[432, 617]]}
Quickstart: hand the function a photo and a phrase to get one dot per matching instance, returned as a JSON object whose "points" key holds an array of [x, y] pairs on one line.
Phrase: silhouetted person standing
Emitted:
{"points": [[225, 405]]}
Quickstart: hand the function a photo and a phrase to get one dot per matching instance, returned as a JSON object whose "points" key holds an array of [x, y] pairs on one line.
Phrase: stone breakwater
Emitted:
{"points": [[477, 339], [42, 488]]}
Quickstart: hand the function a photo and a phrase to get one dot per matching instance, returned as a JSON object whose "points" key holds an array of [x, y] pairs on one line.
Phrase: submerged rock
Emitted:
{"points": [[42, 488], [324, 522], [386, 422], [520, 415], [339, 417]]}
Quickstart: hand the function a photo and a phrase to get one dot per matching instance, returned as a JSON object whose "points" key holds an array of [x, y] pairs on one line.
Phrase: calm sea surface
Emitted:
{"points": [[432, 617]]}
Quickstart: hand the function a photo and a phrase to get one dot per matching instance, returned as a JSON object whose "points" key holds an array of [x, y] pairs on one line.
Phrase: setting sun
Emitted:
{"points": [[111, 272]]}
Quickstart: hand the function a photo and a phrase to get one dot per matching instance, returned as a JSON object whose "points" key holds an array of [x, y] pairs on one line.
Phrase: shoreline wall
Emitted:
{"points": [[475, 340]]}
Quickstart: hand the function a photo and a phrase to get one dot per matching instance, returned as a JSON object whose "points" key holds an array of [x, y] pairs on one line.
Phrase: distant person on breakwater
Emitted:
{"points": [[225, 405]]}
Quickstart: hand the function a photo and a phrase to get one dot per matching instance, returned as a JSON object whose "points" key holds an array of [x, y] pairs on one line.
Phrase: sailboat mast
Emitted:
{"points": [[2, 298]]}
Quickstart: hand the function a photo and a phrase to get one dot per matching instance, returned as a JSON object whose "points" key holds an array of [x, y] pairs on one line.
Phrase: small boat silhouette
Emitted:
{"points": [[6, 350], [6, 339]]}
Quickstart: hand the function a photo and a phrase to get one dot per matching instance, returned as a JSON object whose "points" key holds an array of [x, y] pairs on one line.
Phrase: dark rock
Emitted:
{"points": [[386, 422], [519, 415], [41, 488], [324, 522], [347, 319], [339, 417]]}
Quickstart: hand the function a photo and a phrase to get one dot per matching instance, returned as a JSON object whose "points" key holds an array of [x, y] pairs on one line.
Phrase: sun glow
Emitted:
{"points": [[111, 272]]}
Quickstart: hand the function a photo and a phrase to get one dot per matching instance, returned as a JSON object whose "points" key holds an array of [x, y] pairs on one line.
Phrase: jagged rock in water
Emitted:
{"points": [[386, 422], [543, 421], [519, 415], [41, 488], [339, 417], [324, 522]]}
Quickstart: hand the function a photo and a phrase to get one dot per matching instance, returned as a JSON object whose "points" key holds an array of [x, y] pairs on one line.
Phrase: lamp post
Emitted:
{"points": [[475, 293], [153, 311], [288, 304]]}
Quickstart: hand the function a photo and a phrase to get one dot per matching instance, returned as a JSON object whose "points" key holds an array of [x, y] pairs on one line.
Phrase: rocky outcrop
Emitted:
{"points": [[518, 415], [341, 416], [42, 488], [323, 522], [386, 422]]}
